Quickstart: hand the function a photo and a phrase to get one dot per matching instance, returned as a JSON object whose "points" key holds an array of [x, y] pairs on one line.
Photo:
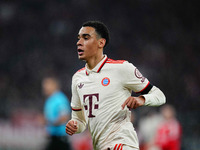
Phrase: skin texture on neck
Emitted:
{"points": [[91, 63]]}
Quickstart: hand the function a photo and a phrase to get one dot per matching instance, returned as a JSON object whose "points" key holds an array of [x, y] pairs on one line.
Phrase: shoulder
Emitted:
{"points": [[112, 61], [120, 64], [62, 94], [79, 72], [61, 98], [78, 75], [59, 95]]}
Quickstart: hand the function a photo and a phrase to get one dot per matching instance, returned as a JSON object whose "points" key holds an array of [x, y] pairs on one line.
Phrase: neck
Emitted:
{"points": [[94, 61]]}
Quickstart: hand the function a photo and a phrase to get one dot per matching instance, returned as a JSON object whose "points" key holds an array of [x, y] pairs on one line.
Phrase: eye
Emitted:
{"points": [[86, 37]]}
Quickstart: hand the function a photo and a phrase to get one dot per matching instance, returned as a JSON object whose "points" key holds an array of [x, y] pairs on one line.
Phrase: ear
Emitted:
{"points": [[102, 42]]}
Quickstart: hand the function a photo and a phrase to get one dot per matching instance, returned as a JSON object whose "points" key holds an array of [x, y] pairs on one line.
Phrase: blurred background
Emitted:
{"points": [[38, 37]]}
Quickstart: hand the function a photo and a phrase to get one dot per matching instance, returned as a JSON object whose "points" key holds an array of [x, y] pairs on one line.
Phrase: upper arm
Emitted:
{"points": [[134, 80], [77, 109], [75, 100]]}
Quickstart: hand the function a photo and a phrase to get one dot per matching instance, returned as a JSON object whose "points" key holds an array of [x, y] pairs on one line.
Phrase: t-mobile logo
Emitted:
{"points": [[91, 105]]}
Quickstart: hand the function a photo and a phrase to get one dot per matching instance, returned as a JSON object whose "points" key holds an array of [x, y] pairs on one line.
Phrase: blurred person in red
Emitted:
{"points": [[148, 125], [82, 141], [168, 135]]}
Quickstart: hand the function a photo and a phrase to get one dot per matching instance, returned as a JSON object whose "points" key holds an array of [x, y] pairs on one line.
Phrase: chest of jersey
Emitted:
{"points": [[101, 92]]}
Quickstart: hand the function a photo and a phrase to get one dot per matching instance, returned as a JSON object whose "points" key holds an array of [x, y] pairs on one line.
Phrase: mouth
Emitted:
{"points": [[80, 51]]}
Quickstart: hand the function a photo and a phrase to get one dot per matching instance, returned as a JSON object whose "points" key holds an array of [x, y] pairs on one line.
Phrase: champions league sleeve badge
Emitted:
{"points": [[139, 75]]}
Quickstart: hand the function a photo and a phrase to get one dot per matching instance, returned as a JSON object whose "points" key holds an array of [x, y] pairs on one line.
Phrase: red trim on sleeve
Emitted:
{"points": [[144, 87], [76, 109]]}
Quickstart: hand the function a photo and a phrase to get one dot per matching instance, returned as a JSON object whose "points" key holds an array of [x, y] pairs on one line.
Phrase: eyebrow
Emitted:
{"points": [[84, 35]]}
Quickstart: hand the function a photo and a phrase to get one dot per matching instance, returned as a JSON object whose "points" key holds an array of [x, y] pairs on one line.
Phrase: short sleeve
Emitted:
{"points": [[133, 79]]}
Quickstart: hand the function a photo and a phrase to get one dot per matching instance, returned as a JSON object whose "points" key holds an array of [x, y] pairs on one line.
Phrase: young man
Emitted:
{"points": [[101, 93]]}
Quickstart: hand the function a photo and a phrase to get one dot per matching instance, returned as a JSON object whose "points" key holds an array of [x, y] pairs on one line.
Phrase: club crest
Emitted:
{"points": [[105, 81]]}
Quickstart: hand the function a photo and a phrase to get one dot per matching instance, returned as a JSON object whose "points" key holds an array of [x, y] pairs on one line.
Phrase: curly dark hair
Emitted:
{"points": [[100, 28]]}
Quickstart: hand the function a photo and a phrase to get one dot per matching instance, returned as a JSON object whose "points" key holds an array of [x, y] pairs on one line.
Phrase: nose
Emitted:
{"points": [[79, 42]]}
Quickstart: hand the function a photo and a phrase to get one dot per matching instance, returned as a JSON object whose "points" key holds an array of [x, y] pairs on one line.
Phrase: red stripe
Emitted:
{"points": [[115, 147], [144, 88], [122, 147], [115, 61], [76, 109], [119, 146], [102, 65], [86, 73]]}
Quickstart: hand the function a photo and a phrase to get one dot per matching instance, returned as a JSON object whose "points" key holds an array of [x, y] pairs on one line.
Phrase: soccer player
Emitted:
{"points": [[56, 114], [101, 93]]}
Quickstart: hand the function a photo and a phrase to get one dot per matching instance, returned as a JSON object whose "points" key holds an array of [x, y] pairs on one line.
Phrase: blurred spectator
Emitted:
{"points": [[147, 128], [56, 114], [168, 136], [82, 141]]}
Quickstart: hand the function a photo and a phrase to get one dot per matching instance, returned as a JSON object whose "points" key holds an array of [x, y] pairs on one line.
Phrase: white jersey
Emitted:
{"points": [[99, 94]]}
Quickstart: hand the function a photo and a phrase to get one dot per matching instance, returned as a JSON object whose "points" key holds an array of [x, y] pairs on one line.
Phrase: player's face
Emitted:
{"points": [[88, 43]]}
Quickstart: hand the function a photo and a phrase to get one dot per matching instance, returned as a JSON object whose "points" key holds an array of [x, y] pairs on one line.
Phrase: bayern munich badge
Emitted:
{"points": [[105, 81]]}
